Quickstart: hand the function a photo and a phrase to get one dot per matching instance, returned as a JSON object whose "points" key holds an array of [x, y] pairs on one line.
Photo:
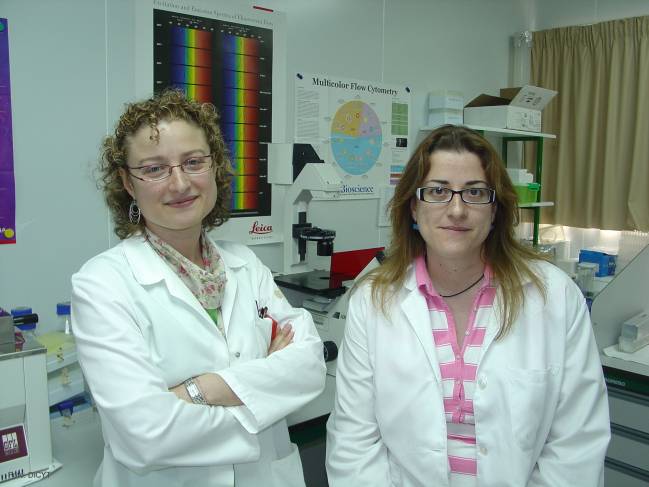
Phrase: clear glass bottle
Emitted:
{"points": [[65, 321]]}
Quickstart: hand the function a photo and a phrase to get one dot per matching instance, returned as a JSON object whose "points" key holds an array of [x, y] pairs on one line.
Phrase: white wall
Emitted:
{"points": [[58, 88], [424, 44], [72, 69], [548, 14]]}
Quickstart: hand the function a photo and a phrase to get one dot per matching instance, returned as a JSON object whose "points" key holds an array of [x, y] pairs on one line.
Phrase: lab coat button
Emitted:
{"points": [[237, 354], [483, 450], [482, 382]]}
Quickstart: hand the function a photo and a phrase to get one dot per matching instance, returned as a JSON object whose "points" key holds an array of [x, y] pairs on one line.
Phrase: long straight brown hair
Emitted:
{"points": [[508, 258]]}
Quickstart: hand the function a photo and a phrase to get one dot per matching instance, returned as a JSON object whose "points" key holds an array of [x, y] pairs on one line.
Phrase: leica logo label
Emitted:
{"points": [[260, 229]]}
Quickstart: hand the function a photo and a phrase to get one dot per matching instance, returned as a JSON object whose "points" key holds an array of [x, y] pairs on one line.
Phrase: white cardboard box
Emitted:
{"points": [[441, 117], [445, 99], [515, 108]]}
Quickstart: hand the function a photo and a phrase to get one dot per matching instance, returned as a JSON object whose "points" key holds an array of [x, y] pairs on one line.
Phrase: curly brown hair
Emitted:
{"points": [[168, 105]]}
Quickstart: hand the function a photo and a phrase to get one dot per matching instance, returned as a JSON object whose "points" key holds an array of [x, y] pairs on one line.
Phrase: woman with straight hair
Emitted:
{"points": [[467, 359]]}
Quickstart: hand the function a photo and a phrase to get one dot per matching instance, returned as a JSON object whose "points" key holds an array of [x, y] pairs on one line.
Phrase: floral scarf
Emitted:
{"points": [[206, 284]]}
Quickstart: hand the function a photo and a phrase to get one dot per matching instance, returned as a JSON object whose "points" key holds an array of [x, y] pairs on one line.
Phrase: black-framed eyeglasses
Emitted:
{"points": [[471, 196], [157, 172]]}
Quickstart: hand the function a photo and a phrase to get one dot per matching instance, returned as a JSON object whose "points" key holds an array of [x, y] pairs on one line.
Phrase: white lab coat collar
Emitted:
{"points": [[145, 265], [415, 309], [233, 265]]}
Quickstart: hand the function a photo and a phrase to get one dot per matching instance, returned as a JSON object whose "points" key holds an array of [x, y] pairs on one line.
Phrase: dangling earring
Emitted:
{"points": [[134, 213], [415, 226]]}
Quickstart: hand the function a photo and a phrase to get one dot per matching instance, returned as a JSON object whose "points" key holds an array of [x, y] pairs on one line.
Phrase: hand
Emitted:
{"points": [[283, 338], [181, 392]]}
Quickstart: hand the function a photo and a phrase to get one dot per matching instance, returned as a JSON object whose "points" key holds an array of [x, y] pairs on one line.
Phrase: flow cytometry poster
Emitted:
{"points": [[7, 184], [361, 127], [230, 65]]}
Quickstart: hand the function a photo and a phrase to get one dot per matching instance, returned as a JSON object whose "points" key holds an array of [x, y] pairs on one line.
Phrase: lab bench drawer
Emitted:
{"points": [[629, 409], [630, 447]]}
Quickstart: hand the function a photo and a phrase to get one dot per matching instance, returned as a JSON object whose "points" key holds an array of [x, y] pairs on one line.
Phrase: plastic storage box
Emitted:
{"points": [[527, 192], [445, 107], [64, 376], [606, 262]]}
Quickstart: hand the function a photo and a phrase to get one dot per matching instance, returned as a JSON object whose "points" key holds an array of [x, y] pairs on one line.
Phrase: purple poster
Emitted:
{"points": [[7, 189]]}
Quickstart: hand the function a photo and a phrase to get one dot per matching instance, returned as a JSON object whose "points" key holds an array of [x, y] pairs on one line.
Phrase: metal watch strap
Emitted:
{"points": [[194, 392]]}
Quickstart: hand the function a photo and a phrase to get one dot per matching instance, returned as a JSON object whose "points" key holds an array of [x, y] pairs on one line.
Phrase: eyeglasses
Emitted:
{"points": [[157, 172], [471, 196]]}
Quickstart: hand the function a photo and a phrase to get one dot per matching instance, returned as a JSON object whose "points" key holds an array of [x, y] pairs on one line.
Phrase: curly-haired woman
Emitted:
{"points": [[190, 382]]}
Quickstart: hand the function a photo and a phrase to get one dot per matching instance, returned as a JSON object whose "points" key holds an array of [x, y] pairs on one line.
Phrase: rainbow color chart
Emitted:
{"points": [[229, 65], [191, 62]]}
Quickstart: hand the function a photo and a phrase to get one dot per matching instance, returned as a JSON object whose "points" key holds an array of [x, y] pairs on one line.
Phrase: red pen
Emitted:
{"points": [[273, 332], [263, 313]]}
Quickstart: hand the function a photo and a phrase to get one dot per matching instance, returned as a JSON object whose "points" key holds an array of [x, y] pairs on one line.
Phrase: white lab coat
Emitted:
{"points": [[140, 331], [540, 399]]}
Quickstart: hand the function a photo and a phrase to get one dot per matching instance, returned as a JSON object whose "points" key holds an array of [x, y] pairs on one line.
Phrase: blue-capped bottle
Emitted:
{"points": [[65, 319]]}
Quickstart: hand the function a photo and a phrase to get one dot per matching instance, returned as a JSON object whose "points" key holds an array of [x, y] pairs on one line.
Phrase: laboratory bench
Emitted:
{"points": [[627, 458], [627, 377]]}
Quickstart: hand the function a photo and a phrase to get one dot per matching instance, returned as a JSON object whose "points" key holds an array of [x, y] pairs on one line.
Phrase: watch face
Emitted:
{"points": [[194, 392]]}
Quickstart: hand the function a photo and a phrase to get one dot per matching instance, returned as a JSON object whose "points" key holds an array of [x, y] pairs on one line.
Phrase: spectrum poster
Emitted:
{"points": [[7, 185], [230, 66], [233, 56]]}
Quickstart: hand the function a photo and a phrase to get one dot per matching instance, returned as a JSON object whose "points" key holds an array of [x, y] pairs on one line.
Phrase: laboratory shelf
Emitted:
{"points": [[522, 133], [509, 135], [493, 130], [64, 358], [537, 138], [539, 204]]}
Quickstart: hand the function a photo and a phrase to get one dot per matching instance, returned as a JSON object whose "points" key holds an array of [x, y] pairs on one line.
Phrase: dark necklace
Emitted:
{"points": [[463, 290]]}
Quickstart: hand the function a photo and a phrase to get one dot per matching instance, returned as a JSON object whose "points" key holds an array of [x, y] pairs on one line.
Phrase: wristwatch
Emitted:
{"points": [[194, 392]]}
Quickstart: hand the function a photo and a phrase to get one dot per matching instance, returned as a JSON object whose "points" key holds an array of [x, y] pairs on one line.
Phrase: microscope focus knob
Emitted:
{"points": [[330, 350]]}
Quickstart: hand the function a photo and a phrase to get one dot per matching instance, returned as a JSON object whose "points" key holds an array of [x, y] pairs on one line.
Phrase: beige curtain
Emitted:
{"points": [[597, 170]]}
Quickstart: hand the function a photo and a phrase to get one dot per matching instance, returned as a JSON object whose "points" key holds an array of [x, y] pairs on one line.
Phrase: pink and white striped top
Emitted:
{"points": [[458, 369]]}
